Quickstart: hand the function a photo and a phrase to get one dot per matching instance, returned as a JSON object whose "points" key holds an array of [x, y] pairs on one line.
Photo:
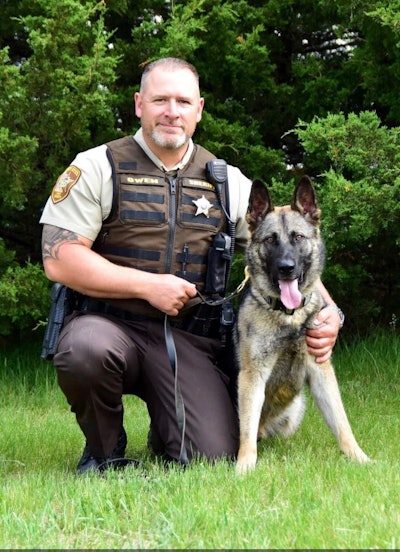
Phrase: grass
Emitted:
{"points": [[303, 493]]}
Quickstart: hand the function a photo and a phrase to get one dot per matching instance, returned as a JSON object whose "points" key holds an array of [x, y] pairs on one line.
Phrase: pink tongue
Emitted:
{"points": [[290, 294]]}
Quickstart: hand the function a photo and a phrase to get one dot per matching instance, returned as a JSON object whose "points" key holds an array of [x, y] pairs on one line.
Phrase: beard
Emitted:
{"points": [[171, 142]]}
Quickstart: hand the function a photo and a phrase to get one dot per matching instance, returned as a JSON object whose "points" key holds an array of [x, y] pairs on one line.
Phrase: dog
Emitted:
{"points": [[285, 258]]}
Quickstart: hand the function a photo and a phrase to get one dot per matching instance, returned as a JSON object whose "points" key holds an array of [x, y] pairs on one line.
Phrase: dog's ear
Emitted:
{"points": [[260, 204], [305, 200]]}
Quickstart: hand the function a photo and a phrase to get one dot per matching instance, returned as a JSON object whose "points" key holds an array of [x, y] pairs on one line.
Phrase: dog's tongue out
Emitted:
{"points": [[290, 294]]}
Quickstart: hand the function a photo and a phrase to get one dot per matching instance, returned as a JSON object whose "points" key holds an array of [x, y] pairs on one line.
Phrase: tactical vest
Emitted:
{"points": [[159, 223]]}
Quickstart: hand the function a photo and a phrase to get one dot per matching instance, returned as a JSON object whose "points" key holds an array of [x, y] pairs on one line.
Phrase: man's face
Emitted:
{"points": [[169, 106]]}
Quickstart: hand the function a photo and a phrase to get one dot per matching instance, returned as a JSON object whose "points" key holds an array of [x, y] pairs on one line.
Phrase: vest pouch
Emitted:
{"points": [[204, 321], [219, 257]]}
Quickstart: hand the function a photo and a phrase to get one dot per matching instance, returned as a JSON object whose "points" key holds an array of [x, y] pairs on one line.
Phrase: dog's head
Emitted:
{"points": [[285, 255]]}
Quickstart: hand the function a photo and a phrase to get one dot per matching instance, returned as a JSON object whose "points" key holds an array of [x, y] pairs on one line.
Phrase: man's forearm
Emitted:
{"points": [[324, 292]]}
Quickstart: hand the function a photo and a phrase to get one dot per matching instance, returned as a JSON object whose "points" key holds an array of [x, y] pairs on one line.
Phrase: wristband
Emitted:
{"points": [[339, 311]]}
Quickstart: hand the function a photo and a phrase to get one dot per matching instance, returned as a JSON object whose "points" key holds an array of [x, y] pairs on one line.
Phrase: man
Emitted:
{"points": [[129, 226]]}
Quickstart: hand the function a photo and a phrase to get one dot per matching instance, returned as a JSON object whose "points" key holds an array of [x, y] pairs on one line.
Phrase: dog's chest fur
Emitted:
{"points": [[280, 357]]}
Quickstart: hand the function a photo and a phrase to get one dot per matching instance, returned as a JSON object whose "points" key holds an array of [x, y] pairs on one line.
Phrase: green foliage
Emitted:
{"points": [[24, 294], [24, 297], [388, 16], [17, 147], [68, 76], [6, 257], [357, 161], [231, 141], [68, 70], [54, 102]]}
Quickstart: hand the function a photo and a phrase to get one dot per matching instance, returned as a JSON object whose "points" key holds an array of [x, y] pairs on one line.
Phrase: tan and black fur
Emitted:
{"points": [[285, 258]]}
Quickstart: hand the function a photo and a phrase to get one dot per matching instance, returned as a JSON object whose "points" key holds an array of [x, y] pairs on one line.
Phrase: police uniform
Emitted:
{"points": [[119, 196]]}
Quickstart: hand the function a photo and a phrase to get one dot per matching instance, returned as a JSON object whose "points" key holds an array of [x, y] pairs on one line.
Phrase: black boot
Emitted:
{"points": [[88, 462], [154, 442]]}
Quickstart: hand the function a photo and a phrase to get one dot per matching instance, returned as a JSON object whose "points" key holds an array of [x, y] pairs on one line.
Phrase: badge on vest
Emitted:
{"points": [[64, 183], [203, 206]]}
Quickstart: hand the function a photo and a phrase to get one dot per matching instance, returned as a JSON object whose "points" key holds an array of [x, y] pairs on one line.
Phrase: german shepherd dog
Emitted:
{"points": [[285, 258]]}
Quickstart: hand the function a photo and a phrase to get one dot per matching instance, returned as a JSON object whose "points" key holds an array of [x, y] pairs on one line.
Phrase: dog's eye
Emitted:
{"points": [[270, 239], [299, 237]]}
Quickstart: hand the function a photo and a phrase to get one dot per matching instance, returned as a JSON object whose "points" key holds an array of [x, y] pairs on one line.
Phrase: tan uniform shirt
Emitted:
{"points": [[82, 198]]}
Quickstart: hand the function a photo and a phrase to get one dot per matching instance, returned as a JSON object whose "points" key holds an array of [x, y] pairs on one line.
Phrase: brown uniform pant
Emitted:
{"points": [[99, 358]]}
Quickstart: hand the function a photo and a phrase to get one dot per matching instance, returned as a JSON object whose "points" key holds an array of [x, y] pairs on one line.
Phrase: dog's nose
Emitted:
{"points": [[286, 267]]}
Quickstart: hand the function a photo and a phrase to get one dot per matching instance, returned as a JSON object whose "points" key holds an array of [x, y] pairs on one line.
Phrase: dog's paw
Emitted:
{"points": [[360, 456], [356, 454], [245, 463]]}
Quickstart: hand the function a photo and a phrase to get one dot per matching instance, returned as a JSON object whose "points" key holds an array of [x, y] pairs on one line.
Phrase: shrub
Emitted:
{"points": [[24, 298], [356, 164]]}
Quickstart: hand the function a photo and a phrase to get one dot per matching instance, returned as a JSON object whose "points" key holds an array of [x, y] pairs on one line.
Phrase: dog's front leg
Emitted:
{"points": [[325, 391], [251, 392]]}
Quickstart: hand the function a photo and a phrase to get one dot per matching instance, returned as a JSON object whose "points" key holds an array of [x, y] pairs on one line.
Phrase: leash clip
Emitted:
{"points": [[245, 280]]}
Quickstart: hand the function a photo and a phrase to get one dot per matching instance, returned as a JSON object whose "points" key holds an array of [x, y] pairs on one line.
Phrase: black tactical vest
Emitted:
{"points": [[159, 223]]}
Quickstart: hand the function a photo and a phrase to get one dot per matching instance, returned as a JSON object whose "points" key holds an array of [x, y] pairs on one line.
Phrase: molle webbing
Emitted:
{"points": [[155, 224]]}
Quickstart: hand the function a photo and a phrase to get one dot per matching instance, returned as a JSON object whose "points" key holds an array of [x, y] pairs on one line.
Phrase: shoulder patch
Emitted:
{"points": [[64, 183]]}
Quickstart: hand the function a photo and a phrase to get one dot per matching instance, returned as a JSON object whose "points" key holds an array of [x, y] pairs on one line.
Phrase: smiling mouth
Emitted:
{"points": [[167, 126]]}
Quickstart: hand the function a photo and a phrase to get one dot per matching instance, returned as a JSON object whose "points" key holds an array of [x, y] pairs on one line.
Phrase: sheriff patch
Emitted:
{"points": [[64, 183], [194, 183]]}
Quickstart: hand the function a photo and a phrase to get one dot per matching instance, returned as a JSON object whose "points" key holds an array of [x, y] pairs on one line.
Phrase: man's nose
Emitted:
{"points": [[172, 108]]}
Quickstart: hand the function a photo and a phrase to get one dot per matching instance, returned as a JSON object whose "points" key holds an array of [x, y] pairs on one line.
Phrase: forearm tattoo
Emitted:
{"points": [[52, 239]]}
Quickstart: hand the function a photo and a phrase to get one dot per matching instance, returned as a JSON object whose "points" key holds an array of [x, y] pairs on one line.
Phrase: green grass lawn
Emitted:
{"points": [[303, 493]]}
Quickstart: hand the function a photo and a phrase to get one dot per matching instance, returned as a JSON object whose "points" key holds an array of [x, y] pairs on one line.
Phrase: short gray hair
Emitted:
{"points": [[170, 63]]}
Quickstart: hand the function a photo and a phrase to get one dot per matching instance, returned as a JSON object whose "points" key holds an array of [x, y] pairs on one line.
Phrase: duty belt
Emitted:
{"points": [[185, 323]]}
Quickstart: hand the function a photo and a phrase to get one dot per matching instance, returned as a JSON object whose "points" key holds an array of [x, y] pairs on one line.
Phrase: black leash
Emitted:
{"points": [[170, 345], [179, 404]]}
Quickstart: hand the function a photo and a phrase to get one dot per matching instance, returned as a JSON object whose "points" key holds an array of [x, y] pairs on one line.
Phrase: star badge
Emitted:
{"points": [[203, 206]]}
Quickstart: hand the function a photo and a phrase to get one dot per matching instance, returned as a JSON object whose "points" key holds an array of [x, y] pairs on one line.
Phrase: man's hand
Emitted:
{"points": [[169, 293], [322, 337]]}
